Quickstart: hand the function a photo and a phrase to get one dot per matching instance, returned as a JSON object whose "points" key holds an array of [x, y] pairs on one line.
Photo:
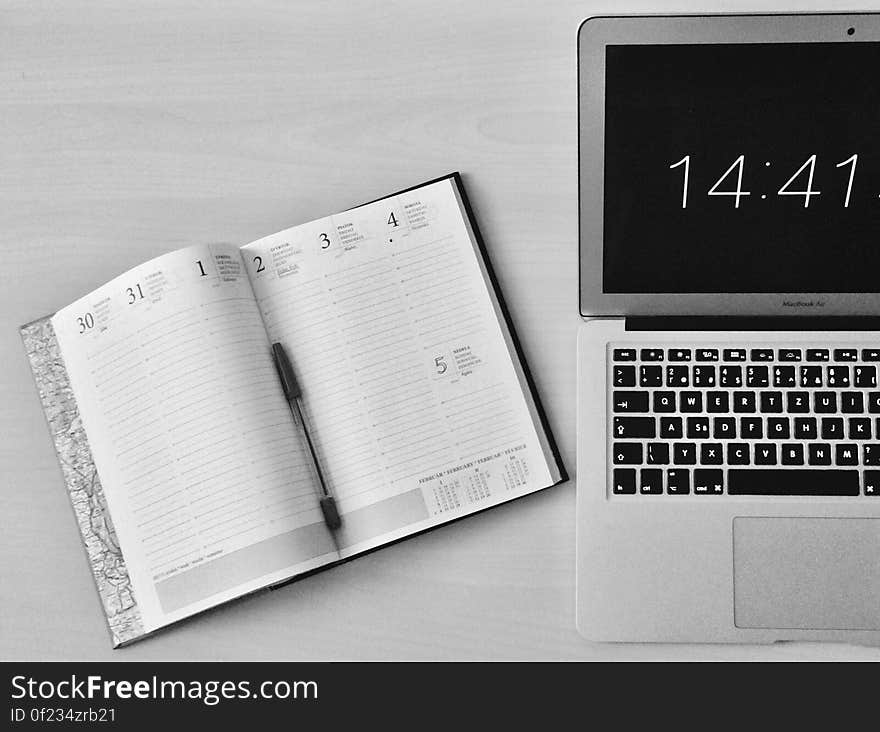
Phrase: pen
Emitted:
{"points": [[293, 394]]}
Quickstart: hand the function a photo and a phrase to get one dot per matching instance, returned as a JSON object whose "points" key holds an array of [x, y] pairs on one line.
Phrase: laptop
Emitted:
{"points": [[728, 398]]}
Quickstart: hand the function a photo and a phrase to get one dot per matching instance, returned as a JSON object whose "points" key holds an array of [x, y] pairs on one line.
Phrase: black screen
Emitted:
{"points": [[758, 120]]}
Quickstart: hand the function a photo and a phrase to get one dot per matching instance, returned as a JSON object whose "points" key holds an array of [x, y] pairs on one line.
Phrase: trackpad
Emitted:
{"points": [[806, 573]]}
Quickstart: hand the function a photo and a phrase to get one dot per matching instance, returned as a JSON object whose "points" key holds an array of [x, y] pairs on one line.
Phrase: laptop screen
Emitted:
{"points": [[742, 168]]}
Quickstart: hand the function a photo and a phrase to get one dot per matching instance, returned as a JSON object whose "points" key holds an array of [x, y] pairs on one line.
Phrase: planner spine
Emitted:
{"points": [[82, 481]]}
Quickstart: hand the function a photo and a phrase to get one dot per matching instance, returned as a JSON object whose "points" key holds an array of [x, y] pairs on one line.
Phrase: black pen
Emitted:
{"points": [[294, 398]]}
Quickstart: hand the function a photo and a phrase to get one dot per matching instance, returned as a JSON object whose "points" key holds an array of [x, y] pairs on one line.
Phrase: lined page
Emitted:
{"points": [[204, 471], [408, 376]]}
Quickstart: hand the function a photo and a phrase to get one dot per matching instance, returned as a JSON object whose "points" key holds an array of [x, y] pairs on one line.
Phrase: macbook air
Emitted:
{"points": [[728, 398]]}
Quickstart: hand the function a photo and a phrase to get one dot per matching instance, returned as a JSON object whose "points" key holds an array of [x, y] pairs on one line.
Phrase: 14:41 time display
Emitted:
{"points": [[804, 173]]}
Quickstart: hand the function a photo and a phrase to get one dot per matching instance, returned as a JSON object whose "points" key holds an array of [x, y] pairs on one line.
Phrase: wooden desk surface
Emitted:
{"points": [[127, 130]]}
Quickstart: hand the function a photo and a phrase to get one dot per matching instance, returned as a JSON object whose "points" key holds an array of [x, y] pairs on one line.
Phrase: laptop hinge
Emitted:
{"points": [[686, 322]]}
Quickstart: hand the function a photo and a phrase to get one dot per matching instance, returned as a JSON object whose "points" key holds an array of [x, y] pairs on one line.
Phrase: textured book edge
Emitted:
{"points": [[83, 485]]}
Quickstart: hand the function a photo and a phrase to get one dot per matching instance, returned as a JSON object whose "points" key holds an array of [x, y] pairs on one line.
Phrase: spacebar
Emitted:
{"points": [[797, 482]]}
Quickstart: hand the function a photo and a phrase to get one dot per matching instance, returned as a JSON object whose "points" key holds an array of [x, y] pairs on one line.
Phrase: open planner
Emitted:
{"points": [[188, 475]]}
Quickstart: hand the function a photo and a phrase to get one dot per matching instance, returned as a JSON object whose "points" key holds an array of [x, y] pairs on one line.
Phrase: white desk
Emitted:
{"points": [[126, 131]]}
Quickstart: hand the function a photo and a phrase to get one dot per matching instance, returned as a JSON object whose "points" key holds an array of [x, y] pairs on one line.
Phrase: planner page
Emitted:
{"points": [[416, 399], [205, 474]]}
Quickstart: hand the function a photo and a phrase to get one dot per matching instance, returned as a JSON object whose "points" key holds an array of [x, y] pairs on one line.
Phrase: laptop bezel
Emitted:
{"points": [[594, 35]]}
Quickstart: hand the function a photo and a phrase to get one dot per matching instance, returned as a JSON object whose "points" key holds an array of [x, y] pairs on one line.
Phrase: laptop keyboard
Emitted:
{"points": [[711, 421]]}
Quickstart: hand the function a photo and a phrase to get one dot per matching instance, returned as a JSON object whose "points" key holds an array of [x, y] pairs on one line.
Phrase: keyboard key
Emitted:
{"points": [[624, 376], [765, 454], [757, 376], [871, 455], [634, 427], [825, 402], [771, 401], [650, 376], [793, 454], [798, 402], [678, 482], [697, 428], [724, 428], [630, 401], [624, 481], [704, 376], [859, 428], [737, 453], [744, 402], [811, 376], [838, 376], [751, 428], [677, 376], [784, 376], [684, 453], [651, 482], [778, 428], [711, 453], [658, 453], [708, 482], [805, 428], [717, 401], [690, 401], [730, 376], [783, 467], [852, 402], [671, 428], [832, 428], [865, 377], [819, 453], [846, 454], [627, 453], [664, 401], [800, 482]]}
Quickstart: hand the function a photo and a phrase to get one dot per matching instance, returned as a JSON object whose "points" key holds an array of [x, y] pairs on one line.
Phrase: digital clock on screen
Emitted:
{"points": [[801, 183]]}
